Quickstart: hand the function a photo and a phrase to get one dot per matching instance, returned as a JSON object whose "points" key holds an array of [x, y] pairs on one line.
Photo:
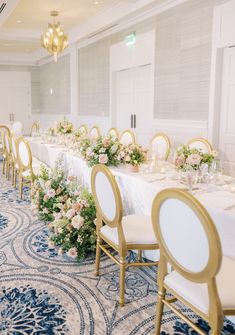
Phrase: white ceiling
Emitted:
{"points": [[23, 21]]}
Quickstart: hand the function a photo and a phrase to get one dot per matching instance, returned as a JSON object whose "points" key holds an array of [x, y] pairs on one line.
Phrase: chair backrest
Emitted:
{"points": [[83, 130], [160, 146], [34, 128], [127, 137], [17, 128], [113, 132], [106, 195], [7, 141], [14, 143], [24, 154], [4, 130], [94, 133], [187, 235], [201, 144]]}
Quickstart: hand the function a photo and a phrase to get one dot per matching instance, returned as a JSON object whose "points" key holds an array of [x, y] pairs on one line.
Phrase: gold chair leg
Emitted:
{"points": [[97, 259], [122, 280], [21, 186], [3, 166], [13, 176], [140, 256], [159, 312]]}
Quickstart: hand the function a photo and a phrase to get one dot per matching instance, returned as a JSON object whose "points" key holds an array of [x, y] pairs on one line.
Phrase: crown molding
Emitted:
{"points": [[11, 5], [19, 35]]}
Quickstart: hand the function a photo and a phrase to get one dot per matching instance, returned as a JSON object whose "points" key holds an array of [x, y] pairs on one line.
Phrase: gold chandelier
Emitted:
{"points": [[54, 40]]}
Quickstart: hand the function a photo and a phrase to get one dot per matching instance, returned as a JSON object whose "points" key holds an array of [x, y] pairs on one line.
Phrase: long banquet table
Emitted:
{"points": [[139, 189]]}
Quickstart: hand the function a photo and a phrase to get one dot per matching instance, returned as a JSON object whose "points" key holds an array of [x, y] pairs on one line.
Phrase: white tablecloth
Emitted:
{"points": [[138, 190]]}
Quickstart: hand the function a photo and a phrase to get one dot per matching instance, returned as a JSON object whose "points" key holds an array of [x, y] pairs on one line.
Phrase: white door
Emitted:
{"points": [[227, 119], [134, 96], [15, 98]]}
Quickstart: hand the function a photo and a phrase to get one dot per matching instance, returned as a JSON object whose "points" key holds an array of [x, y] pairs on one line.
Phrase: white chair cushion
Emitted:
{"points": [[137, 230], [35, 163], [197, 294]]}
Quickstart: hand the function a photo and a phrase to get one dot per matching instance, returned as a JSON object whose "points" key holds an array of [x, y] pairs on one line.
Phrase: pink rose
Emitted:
{"points": [[77, 221], [45, 198], [103, 159], [180, 160], [193, 159], [70, 214], [106, 142], [72, 252], [77, 207]]}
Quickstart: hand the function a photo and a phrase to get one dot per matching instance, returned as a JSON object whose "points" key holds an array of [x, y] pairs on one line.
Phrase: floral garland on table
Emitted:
{"points": [[64, 127], [68, 209], [132, 154], [103, 151], [187, 158]]}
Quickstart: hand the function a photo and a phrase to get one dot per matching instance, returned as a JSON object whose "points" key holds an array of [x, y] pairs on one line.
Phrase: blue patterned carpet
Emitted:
{"points": [[45, 293]]}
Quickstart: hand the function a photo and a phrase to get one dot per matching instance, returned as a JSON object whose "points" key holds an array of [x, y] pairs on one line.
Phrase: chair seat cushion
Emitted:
{"points": [[137, 230], [197, 294], [36, 164]]}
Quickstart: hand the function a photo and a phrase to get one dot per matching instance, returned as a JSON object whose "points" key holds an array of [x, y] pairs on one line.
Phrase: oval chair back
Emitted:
{"points": [[14, 148], [113, 132], [94, 133], [24, 155], [201, 144], [7, 141], [188, 241], [160, 146], [83, 130], [17, 128], [34, 129], [127, 137], [106, 195]]}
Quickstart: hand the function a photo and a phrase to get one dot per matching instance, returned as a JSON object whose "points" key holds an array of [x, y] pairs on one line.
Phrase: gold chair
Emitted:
{"points": [[15, 162], [83, 130], [127, 137], [200, 143], [160, 146], [3, 129], [121, 233], [201, 279], [94, 133], [34, 128], [113, 132], [28, 166], [8, 154]]}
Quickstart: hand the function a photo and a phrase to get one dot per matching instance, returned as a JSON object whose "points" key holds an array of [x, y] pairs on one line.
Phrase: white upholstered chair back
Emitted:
{"points": [[83, 130], [17, 128], [106, 194], [7, 140], [14, 147], [24, 153], [160, 146], [186, 234], [201, 144], [127, 137], [113, 132], [94, 133]]}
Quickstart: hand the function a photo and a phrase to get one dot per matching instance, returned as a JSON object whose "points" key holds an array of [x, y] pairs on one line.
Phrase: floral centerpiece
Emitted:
{"points": [[69, 210], [103, 151], [192, 158], [132, 154], [64, 127]]}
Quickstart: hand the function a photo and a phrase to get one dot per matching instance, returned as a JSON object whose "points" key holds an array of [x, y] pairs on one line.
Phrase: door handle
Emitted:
{"points": [[131, 120], [134, 120]]}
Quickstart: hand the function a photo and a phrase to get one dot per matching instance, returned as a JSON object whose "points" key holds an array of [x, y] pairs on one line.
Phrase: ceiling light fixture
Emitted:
{"points": [[96, 2], [54, 40], [18, 21]]}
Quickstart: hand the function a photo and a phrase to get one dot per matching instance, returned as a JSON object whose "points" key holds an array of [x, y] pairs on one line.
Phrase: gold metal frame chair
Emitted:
{"points": [[203, 275], [15, 161], [117, 225], [113, 132], [8, 154], [35, 126], [4, 129], [166, 140], [130, 133], [204, 141], [25, 163], [94, 129], [83, 129]]}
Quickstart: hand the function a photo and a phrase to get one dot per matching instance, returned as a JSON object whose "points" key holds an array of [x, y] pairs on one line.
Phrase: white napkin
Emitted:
{"points": [[219, 199]]}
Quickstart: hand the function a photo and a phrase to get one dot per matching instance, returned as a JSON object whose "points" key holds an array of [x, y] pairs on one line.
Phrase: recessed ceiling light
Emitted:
{"points": [[96, 2], [19, 21]]}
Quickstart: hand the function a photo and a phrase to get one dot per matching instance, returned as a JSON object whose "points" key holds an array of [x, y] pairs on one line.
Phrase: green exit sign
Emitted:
{"points": [[131, 38]]}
